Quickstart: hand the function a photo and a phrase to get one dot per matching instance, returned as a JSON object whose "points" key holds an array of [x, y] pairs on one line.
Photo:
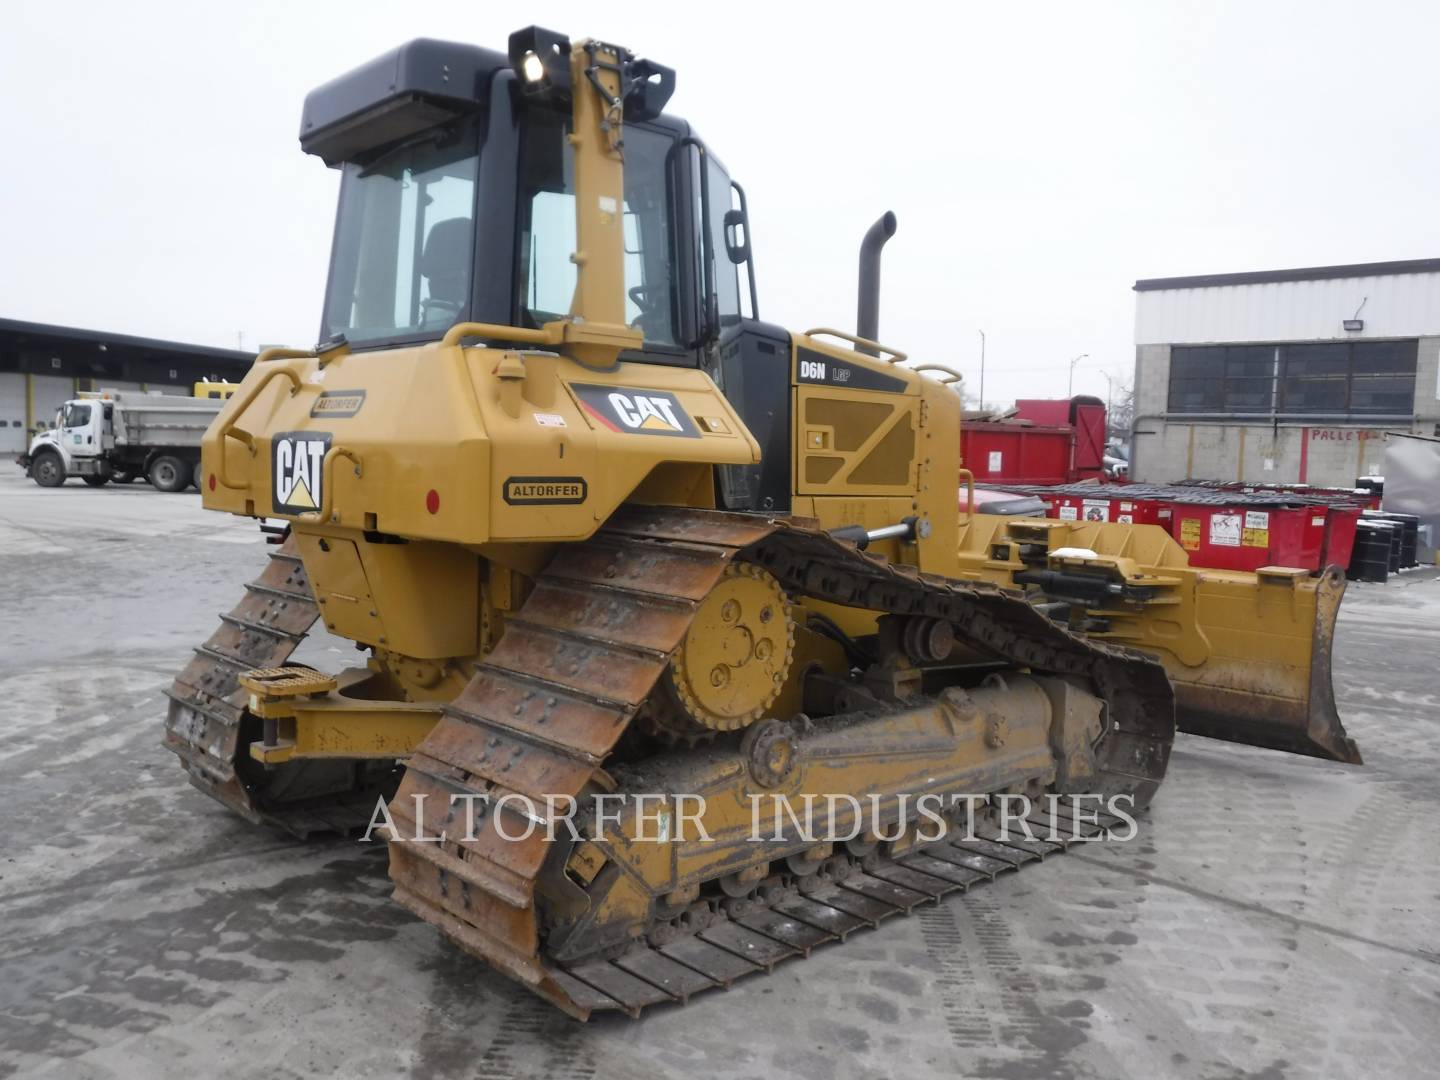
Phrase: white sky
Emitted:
{"points": [[1040, 157]]}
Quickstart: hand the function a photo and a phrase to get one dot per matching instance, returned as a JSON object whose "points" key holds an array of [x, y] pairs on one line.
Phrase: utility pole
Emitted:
{"points": [[1070, 390], [982, 370]]}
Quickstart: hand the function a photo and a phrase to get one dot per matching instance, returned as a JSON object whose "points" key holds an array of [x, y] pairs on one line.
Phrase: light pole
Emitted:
{"points": [[982, 370], [1070, 390], [1109, 403]]}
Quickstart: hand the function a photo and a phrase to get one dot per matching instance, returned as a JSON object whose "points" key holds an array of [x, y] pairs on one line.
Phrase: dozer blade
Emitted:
{"points": [[1268, 683], [1248, 654]]}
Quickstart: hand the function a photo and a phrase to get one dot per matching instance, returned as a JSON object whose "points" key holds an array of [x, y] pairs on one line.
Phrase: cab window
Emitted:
{"points": [[404, 240], [547, 229], [76, 416], [727, 274]]}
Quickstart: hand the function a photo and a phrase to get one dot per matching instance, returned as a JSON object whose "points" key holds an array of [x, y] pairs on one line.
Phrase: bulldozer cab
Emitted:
{"points": [[458, 204], [473, 217]]}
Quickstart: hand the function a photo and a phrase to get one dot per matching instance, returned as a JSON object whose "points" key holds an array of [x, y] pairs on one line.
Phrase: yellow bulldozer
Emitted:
{"points": [[623, 558]]}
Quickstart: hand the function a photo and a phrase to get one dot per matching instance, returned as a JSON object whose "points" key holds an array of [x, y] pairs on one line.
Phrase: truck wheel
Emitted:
{"points": [[95, 481], [169, 473], [48, 470], [197, 477]]}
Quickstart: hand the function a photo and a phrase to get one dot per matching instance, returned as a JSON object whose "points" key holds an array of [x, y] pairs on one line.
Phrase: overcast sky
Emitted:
{"points": [[1040, 157]]}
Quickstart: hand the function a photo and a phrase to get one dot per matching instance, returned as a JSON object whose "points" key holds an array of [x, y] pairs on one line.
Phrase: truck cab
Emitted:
{"points": [[73, 446], [117, 436]]}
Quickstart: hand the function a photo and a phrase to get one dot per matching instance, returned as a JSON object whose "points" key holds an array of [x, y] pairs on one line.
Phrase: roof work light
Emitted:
{"points": [[541, 59]]}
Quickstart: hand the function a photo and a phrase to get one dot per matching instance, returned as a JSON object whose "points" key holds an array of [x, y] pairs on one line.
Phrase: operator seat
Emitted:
{"points": [[445, 265]]}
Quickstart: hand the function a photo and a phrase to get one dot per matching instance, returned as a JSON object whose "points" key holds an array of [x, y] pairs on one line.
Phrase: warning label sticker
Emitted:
{"points": [[1097, 509], [1226, 530], [997, 461], [1190, 534], [1069, 513], [1257, 519], [1256, 538]]}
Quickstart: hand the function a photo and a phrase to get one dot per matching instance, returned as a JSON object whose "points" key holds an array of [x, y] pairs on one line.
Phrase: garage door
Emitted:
{"points": [[49, 392], [12, 413]]}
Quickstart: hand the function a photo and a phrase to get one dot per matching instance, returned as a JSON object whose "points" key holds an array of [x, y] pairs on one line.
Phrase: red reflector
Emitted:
{"points": [[432, 501], [212, 481]]}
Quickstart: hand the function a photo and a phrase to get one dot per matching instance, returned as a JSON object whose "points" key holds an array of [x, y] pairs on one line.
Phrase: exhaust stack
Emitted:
{"points": [[867, 319]]}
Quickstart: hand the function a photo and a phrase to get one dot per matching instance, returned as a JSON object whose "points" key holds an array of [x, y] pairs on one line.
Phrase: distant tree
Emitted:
{"points": [[970, 397], [1121, 412]]}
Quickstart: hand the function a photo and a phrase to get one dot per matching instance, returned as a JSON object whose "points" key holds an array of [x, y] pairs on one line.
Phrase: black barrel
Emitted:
{"points": [[1370, 560], [1408, 526]]}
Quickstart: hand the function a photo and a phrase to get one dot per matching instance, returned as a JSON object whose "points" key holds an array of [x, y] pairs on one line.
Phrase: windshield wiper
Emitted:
{"points": [[435, 136]]}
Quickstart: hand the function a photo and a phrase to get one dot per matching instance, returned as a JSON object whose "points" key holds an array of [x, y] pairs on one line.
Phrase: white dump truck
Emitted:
{"points": [[112, 435]]}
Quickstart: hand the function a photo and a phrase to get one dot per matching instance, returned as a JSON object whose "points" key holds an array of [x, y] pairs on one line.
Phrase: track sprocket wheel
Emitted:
{"points": [[733, 661]]}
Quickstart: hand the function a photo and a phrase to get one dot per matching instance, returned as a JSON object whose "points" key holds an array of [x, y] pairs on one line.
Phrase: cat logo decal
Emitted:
{"points": [[296, 458], [642, 412]]}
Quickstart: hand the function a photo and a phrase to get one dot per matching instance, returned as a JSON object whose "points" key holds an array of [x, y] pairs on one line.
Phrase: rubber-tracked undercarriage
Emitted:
{"points": [[678, 658]]}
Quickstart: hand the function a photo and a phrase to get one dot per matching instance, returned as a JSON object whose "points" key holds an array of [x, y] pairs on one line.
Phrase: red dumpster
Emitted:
{"points": [[1339, 545], [1008, 453], [1247, 537], [1102, 505]]}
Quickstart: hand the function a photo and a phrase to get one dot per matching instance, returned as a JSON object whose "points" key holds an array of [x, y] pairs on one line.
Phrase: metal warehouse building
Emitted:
{"points": [[43, 366], [1290, 376]]}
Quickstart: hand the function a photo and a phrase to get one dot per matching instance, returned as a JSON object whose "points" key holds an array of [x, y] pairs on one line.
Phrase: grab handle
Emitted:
{"points": [[550, 334], [229, 429], [969, 494], [895, 355], [327, 486]]}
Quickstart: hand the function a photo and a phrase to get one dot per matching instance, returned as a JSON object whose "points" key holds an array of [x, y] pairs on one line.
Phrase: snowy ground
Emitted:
{"points": [[1278, 916]]}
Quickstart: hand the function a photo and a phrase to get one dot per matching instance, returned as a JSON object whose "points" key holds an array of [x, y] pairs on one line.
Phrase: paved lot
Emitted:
{"points": [[1277, 918]]}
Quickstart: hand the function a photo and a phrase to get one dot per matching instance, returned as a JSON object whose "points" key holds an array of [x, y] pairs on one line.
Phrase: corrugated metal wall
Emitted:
{"points": [[48, 393], [12, 413], [1396, 305]]}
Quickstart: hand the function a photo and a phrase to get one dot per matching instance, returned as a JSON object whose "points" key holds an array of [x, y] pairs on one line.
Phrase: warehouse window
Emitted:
{"points": [[1222, 379], [1366, 378], [1321, 379]]}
